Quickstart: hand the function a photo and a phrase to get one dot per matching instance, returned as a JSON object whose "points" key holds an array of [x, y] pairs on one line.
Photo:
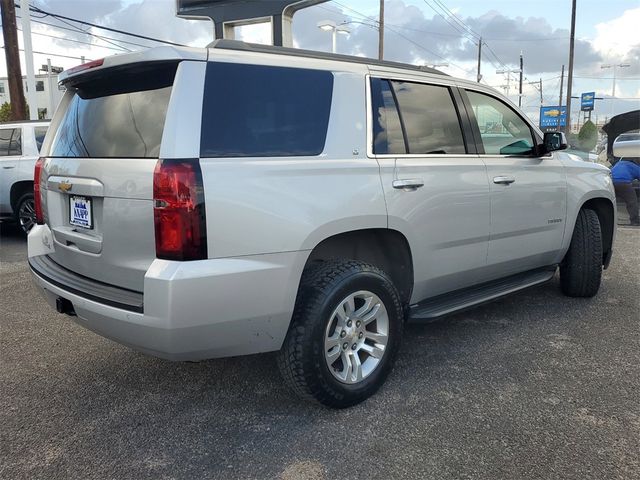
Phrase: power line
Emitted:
{"points": [[53, 54], [115, 30], [77, 30], [73, 41]]}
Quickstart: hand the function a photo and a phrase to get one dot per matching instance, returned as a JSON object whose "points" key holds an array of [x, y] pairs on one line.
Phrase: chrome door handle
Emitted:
{"points": [[408, 184], [504, 180]]}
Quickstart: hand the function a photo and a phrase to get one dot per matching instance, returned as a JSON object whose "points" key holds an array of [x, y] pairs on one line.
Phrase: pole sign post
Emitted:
{"points": [[552, 118], [587, 101]]}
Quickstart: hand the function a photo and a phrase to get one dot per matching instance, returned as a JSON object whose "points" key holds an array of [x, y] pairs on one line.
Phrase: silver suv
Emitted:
{"points": [[20, 144], [199, 203]]}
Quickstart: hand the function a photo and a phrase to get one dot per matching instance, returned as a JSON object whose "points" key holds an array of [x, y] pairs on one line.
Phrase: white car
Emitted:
{"points": [[199, 203], [20, 144]]}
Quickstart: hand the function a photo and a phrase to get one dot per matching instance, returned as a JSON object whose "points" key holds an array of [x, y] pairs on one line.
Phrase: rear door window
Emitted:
{"points": [[119, 114], [10, 142], [430, 118], [387, 129], [264, 111]]}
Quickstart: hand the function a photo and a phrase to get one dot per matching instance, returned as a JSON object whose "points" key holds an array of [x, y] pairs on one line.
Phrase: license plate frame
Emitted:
{"points": [[81, 211]]}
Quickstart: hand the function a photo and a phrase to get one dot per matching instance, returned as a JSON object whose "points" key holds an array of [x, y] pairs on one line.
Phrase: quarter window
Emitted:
{"points": [[40, 132], [430, 118], [502, 130], [263, 111], [10, 142]]}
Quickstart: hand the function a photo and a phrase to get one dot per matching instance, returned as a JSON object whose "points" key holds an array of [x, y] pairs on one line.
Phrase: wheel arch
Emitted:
{"points": [[387, 249], [17, 190], [605, 210]]}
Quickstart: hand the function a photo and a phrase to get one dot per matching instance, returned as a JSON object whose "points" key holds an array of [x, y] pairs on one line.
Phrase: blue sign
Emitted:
{"points": [[552, 118], [587, 101]]}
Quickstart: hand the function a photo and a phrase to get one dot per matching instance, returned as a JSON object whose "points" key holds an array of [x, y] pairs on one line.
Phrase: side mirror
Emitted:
{"points": [[554, 141]]}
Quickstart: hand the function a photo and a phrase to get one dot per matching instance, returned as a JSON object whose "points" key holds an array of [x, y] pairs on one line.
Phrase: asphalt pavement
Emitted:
{"points": [[533, 386]]}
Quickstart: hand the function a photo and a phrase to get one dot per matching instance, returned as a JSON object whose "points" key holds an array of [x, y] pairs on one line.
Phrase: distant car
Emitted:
{"points": [[20, 144]]}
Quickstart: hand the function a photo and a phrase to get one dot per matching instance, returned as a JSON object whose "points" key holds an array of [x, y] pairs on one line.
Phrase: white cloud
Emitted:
{"points": [[613, 38]]}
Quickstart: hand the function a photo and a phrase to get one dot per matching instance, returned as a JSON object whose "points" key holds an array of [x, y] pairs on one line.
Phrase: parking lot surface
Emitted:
{"points": [[535, 385]]}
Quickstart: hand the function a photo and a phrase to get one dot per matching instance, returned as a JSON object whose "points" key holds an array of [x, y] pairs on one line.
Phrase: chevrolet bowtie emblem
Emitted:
{"points": [[65, 186]]}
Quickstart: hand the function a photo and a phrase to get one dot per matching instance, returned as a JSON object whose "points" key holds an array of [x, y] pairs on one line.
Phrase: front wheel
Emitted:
{"points": [[344, 335], [581, 269]]}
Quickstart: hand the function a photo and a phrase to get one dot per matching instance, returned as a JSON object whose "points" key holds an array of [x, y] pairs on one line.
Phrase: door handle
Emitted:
{"points": [[504, 180], [408, 184]]}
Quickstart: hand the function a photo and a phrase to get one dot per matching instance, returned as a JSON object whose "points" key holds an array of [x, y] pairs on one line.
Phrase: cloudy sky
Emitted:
{"points": [[418, 31]]}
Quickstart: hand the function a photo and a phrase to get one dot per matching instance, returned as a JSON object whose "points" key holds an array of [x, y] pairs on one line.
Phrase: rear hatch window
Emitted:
{"points": [[115, 113]]}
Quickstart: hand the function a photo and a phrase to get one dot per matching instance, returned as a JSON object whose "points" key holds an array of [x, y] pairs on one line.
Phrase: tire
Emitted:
{"points": [[25, 212], [309, 347], [581, 269]]}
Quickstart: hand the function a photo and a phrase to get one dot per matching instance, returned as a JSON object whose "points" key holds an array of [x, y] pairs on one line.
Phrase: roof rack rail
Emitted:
{"points": [[225, 44]]}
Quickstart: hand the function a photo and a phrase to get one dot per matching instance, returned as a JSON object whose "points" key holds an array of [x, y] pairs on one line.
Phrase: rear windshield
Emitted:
{"points": [[116, 114]]}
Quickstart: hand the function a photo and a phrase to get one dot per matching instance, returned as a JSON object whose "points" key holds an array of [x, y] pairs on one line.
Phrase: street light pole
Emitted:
{"points": [[331, 26], [572, 43], [381, 32], [28, 60], [615, 66]]}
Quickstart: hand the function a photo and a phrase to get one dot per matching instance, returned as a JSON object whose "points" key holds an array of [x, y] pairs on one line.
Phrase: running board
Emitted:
{"points": [[436, 307]]}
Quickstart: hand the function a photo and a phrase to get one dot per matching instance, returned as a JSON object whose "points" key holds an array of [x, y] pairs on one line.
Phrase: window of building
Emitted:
{"points": [[263, 111], [40, 86], [502, 130]]}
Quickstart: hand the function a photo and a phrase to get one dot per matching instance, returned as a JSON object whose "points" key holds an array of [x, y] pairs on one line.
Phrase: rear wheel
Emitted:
{"points": [[26, 212], [581, 269], [345, 333]]}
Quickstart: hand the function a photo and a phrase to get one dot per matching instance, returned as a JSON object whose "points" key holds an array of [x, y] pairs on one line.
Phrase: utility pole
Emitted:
{"points": [[12, 55], [539, 83], [520, 88], [28, 59], [479, 77], [560, 100], [381, 32], [570, 75]]}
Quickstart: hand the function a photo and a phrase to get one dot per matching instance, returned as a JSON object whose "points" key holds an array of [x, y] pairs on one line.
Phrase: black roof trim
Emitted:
{"points": [[225, 44]]}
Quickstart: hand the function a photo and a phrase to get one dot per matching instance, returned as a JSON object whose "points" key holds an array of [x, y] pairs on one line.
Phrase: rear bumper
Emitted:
{"points": [[193, 310]]}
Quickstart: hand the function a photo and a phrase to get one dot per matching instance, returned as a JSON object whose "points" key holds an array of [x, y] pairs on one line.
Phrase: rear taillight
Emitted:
{"points": [[178, 210], [37, 190]]}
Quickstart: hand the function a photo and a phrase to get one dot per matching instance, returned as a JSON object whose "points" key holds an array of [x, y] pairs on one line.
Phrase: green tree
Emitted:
{"points": [[588, 136], [5, 112]]}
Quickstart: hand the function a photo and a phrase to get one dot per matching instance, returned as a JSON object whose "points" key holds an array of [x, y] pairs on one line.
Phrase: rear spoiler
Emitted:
{"points": [[156, 54]]}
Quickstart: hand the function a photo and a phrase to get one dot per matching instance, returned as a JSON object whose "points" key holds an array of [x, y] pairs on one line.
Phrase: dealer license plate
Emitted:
{"points": [[80, 213]]}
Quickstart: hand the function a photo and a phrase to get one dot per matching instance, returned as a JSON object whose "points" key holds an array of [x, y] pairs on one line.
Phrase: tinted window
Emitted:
{"points": [[430, 118], [117, 114], [10, 142], [39, 133], [387, 130], [260, 111], [502, 130]]}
